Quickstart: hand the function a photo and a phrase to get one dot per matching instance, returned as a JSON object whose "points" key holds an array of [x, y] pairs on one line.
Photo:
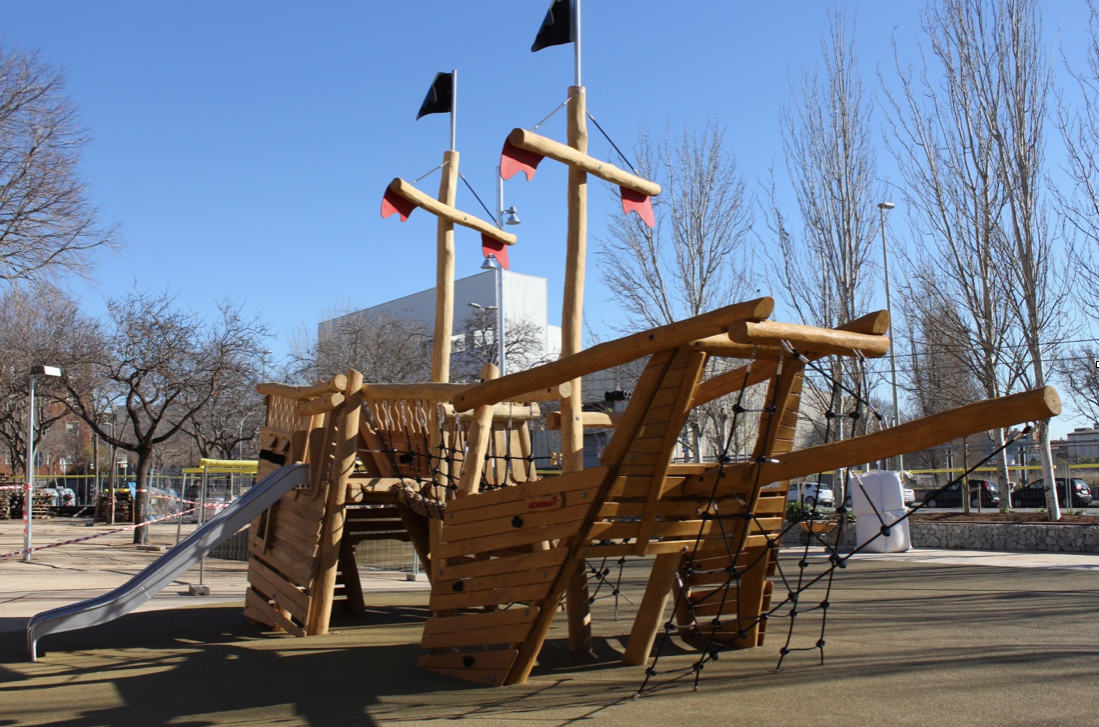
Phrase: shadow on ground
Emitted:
{"points": [[925, 644]]}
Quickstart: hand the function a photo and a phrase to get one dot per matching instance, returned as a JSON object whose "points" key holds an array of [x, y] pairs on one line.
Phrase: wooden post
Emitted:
{"points": [[651, 612], [572, 314], [444, 274], [444, 317], [343, 464], [477, 441], [572, 328]]}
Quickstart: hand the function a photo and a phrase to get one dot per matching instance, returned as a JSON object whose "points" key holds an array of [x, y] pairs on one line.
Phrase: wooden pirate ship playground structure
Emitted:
{"points": [[448, 466]]}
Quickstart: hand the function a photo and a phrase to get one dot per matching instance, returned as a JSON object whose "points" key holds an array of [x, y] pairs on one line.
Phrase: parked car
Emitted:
{"points": [[811, 494], [952, 496], [908, 495], [1034, 494]]}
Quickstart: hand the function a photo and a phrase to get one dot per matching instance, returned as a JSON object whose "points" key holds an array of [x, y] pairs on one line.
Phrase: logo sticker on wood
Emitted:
{"points": [[551, 502]]}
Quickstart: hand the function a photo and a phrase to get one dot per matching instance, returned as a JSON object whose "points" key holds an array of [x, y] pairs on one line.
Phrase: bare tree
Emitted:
{"points": [[1079, 372], [226, 427], [386, 348], [156, 367], [972, 150], [827, 269], [1021, 77], [698, 255], [524, 345], [48, 224], [1079, 207], [940, 376], [998, 43], [947, 153], [35, 330]]}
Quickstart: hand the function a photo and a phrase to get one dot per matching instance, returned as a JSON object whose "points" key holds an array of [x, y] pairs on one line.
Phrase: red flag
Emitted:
{"points": [[642, 204], [496, 249], [513, 159], [393, 203]]}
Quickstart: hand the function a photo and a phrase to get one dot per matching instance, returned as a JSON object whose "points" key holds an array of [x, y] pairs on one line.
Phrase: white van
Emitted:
{"points": [[810, 494]]}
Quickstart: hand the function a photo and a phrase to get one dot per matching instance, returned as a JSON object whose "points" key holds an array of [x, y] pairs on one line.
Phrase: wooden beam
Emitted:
{"points": [[612, 353], [720, 345], [577, 159], [1005, 411], [588, 419], [808, 338], [332, 529], [476, 443], [875, 324], [311, 407], [437, 208], [446, 392], [650, 615], [500, 412], [336, 385]]}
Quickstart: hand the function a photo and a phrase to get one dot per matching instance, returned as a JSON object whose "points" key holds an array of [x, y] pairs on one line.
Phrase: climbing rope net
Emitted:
{"points": [[806, 589]]}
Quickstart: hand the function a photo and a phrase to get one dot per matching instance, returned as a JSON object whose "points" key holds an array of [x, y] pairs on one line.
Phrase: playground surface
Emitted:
{"points": [[921, 638]]}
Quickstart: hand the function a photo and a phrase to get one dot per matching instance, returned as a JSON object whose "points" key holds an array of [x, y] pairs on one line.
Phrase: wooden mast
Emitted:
{"points": [[444, 274], [572, 315], [444, 256], [572, 327]]}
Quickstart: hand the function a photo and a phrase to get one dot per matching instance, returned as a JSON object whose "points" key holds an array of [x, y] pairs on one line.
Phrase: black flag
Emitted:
{"points": [[559, 27], [440, 97]]}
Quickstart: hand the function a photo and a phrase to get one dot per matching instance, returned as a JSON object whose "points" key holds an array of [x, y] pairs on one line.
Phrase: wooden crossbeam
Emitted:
{"points": [[612, 353], [1005, 411], [446, 392], [430, 204], [808, 338], [297, 393], [875, 324], [529, 141]]}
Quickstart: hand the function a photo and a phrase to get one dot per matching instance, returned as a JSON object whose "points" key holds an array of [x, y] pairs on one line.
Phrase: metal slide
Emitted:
{"points": [[161, 572]]}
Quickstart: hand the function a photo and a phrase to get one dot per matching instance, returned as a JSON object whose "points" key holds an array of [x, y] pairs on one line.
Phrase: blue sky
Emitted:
{"points": [[244, 146]]}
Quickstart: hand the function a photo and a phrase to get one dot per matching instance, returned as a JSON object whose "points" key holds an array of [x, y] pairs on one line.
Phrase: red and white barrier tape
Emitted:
{"points": [[12, 487], [107, 532]]}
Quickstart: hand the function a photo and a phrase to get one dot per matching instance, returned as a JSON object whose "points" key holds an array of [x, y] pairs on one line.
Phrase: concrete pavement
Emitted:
{"points": [[922, 638]]}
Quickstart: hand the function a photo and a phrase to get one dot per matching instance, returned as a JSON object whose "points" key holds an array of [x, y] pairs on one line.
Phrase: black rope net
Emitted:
{"points": [[800, 595]]}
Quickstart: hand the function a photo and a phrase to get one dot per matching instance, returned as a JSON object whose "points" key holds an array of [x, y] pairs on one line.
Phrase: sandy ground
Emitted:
{"points": [[924, 638]]}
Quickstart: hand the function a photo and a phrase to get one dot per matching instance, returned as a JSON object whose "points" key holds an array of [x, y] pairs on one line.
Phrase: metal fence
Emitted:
{"points": [[387, 556]]}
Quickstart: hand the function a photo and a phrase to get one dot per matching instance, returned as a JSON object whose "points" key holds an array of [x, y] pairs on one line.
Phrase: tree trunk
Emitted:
{"points": [[1052, 505], [1005, 473], [141, 499], [111, 485], [695, 440]]}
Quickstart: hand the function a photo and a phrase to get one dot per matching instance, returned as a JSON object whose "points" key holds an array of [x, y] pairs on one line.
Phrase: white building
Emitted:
{"points": [[1082, 442], [524, 303]]}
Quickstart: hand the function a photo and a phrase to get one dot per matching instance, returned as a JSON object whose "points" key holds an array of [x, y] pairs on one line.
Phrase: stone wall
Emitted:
{"points": [[1026, 537], [1030, 537]]}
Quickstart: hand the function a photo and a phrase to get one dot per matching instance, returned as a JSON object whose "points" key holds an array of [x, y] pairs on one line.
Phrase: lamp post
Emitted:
{"points": [[885, 207], [29, 488], [507, 216], [491, 264], [499, 339]]}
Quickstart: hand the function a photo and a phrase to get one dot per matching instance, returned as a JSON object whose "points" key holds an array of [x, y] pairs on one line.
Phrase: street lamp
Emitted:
{"points": [[885, 207], [507, 216], [29, 489]]}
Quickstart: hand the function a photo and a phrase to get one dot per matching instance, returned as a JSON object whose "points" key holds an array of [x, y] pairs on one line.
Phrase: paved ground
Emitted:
{"points": [[924, 638]]}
